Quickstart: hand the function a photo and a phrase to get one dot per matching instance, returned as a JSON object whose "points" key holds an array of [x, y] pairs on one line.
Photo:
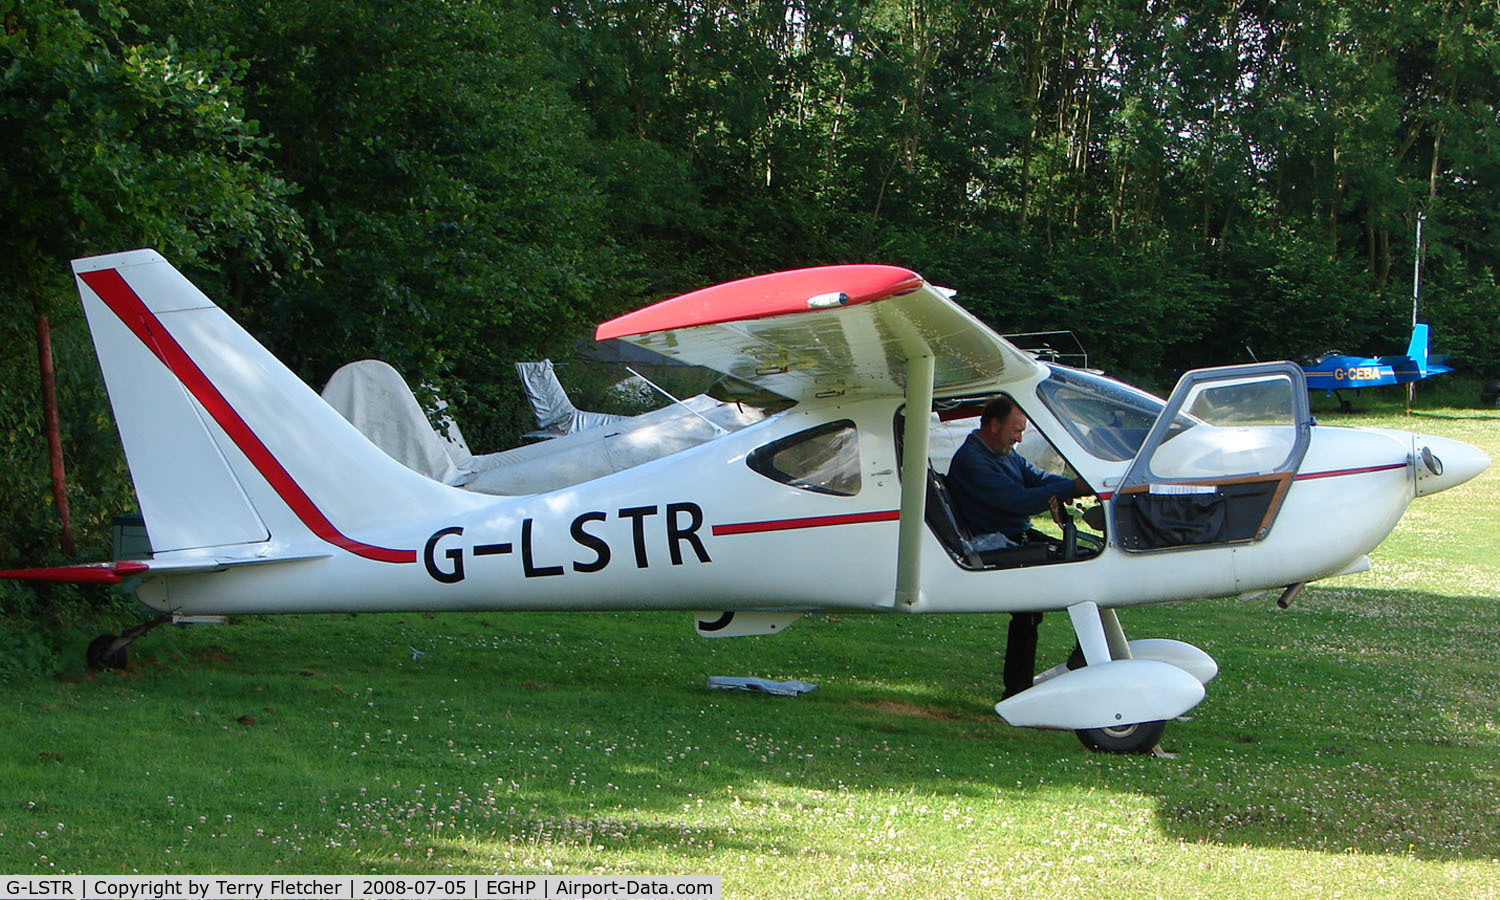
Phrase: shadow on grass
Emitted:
{"points": [[1457, 416], [1357, 721]]}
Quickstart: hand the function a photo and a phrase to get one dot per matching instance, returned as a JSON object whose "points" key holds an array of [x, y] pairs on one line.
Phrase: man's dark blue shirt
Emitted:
{"points": [[1000, 493]]}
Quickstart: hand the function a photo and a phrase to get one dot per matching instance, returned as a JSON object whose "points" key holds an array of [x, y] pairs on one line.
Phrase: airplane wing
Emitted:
{"points": [[833, 331]]}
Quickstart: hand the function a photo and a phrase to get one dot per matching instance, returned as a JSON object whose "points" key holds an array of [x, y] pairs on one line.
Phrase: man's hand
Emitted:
{"points": [[1055, 506]]}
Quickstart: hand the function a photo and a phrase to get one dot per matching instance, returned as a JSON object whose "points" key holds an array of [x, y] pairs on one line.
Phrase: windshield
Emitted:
{"points": [[1107, 418]]}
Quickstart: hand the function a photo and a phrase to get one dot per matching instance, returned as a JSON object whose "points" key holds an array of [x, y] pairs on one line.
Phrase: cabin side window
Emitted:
{"points": [[824, 459]]}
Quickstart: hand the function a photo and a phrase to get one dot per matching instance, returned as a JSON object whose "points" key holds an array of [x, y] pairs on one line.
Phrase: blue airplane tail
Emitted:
{"points": [[1417, 349], [1430, 364], [1417, 363]]}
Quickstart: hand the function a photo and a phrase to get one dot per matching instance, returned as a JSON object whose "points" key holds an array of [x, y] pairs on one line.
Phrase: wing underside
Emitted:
{"points": [[831, 332]]}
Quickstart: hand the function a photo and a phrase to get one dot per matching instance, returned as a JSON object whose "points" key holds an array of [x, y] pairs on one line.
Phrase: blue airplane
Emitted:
{"points": [[1334, 371]]}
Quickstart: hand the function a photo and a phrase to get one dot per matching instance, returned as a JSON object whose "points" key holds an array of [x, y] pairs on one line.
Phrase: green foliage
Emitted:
{"points": [[1181, 188], [25, 655], [112, 140], [116, 142], [453, 185], [443, 185]]}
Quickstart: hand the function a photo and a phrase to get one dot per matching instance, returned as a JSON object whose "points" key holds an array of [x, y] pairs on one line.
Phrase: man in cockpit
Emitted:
{"points": [[996, 491]]}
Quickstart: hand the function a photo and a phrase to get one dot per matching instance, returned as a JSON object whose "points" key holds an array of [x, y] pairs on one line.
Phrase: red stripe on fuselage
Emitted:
{"points": [[889, 515], [892, 515], [1311, 476], [124, 302], [1360, 471]]}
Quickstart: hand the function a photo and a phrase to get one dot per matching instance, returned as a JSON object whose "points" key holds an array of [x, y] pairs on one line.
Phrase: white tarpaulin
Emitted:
{"points": [[586, 455], [555, 413], [375, 399]]}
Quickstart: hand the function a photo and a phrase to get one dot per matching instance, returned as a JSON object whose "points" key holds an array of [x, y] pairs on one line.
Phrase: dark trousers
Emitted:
{"points": [[1020, 652]]}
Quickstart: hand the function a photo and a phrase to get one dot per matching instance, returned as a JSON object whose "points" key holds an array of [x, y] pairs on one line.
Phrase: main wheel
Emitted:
{"points": [[1142, 737], [99, 657]]}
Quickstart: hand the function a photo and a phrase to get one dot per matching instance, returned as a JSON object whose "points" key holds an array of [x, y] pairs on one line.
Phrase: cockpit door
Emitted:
{"points": [[1217, 463]]}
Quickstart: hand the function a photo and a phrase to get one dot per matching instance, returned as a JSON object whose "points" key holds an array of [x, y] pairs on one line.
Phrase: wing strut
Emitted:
{"points": [[920, 368]]}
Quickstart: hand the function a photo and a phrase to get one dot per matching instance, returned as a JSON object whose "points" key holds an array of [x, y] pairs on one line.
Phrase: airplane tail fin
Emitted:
{"points": [[555, 413], [1417, 349], [227, 447]]}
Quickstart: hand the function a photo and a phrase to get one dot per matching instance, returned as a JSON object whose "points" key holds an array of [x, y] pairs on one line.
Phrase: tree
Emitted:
{"points": [[110, 141], [442, 178]]}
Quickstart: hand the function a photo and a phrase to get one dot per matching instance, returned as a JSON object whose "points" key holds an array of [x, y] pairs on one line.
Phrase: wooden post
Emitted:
{"points": [[50, 421]]}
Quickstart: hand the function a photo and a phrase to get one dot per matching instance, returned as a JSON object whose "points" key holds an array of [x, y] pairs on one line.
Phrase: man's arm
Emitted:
{"points": [[1014, 486], [1036, 478], [992, 493], [1066, 488]]}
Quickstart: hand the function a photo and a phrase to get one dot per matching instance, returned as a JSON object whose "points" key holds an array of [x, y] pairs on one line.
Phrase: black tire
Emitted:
{"points": [[1141, 737], [98, 655]]}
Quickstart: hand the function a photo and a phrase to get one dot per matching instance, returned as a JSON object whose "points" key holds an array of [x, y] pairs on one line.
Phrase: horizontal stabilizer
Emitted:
{"points": [[116, 572], [86, 573]]}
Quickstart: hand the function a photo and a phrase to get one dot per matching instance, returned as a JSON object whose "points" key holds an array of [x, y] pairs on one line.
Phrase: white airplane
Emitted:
{"points": [[260, 498]]}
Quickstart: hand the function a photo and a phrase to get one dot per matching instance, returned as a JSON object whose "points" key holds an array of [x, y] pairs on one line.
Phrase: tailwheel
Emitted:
{"points": [[111, 651], [103, 654], [1141, 737]]}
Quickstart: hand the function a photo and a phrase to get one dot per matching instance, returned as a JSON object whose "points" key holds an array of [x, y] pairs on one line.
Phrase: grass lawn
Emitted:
{"points": [[1349, 748]]}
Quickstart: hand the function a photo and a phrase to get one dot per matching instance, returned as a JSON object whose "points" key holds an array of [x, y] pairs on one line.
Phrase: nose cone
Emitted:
{"points": [[1442, 463]]}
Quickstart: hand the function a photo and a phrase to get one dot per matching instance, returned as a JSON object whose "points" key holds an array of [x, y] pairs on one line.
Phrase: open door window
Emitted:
{"points": [[953, 419], [1217, 463]]}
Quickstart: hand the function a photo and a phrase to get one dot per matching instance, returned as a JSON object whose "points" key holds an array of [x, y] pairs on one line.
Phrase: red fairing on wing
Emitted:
{"points": [[763, 296]]}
